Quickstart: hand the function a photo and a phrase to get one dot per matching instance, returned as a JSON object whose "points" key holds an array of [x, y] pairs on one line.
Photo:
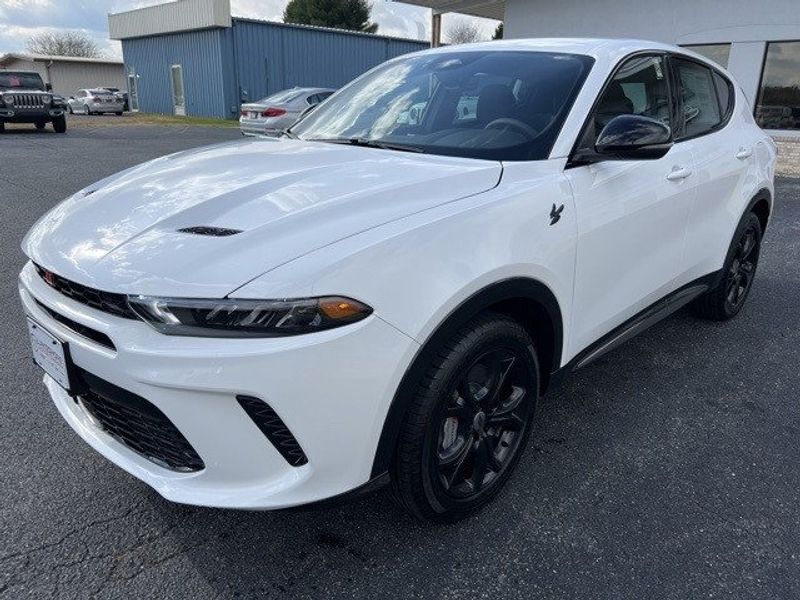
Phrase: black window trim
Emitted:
{"points": [[725, 116], [671, 93]]}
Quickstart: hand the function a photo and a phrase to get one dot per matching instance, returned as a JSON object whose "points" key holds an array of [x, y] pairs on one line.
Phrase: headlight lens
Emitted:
{"points": [[46, 99], [231, 317], [9, 99]]}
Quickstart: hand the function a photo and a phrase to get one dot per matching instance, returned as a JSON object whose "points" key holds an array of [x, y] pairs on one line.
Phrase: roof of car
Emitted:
{"points": [[602, 49]]}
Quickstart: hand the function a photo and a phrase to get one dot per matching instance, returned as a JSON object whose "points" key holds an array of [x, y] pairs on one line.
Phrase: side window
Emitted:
{"points": [[639, 87], [699, 96], [724, 93]]}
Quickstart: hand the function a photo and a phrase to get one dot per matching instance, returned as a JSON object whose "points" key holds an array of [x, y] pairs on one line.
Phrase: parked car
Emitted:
{"points": [[25, 98], [274, 114], [96, 101], [120, 95], [370, 300]]}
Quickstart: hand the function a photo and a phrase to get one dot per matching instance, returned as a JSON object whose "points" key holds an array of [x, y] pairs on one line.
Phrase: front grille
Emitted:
{"points": [[28, 100], [115, 304], [274, 429], [139, 425], [82, 330]]}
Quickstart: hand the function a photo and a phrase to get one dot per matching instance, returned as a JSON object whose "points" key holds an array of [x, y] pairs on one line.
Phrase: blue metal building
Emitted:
{"points": [[191, 57]]}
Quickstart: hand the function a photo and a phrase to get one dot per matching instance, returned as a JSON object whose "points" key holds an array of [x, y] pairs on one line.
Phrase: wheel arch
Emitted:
{"points": [[529, 301], [761, 206]]}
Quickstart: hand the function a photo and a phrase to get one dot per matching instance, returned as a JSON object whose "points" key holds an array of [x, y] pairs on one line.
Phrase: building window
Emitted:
{"points": [[778, 105], [719, 53]]}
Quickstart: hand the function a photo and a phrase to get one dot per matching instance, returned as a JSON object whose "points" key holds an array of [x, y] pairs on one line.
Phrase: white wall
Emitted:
{"points": [[747, 23]]}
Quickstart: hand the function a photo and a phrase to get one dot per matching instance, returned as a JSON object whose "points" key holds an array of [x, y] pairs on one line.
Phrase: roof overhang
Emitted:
{"points": [[490, 9], [12, 56], [169, 17]]}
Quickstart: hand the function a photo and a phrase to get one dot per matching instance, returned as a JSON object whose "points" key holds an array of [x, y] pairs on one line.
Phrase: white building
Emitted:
{"points": [[758, 42], [68, 74]]}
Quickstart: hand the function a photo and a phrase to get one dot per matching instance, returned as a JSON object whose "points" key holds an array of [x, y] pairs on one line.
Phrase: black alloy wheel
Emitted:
{"points": [[739, 278], [468, 424], [483, 423]]}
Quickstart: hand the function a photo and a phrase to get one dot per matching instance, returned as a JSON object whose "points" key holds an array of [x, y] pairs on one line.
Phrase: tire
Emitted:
{"points": [[60, 124], [2, 127], [69, 109], [119, 114], [40, 124], [727, 298], [469, 422]]}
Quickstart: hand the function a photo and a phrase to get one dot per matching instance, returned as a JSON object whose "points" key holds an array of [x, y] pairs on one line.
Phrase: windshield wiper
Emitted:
{"points": [[365, 143]]}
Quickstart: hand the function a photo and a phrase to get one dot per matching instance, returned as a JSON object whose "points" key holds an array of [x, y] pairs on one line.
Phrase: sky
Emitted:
{"points": [[19, 19]]}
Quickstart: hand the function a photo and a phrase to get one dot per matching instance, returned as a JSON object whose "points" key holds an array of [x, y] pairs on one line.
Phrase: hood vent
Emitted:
{"points": [[212, 231]]}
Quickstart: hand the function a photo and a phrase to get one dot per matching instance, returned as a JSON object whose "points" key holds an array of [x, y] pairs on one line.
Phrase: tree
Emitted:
{"points": [[498, 33], [63, 43], [339, 14], [463, 33]]}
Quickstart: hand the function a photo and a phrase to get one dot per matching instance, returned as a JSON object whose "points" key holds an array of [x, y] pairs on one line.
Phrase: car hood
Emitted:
{"points": [[286, 197]]}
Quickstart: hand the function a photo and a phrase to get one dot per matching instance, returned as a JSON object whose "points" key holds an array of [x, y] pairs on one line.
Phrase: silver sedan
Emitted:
{"points": [[94, 101], [274, 114]]}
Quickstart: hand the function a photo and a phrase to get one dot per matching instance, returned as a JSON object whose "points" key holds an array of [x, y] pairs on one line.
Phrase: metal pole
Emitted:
{"points": [[436, 29]]}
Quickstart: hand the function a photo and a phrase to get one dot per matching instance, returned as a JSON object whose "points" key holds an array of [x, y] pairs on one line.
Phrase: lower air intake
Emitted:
{"points": [[274, 429], [139, 425]]}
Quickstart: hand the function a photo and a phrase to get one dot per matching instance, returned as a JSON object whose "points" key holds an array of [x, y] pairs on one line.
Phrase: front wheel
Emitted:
{"points": [[40, 124], [724, 301], [60, 124], [468, 425]]}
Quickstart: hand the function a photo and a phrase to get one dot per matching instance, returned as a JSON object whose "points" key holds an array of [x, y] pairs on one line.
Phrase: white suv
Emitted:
{"points": [[383, 296]]}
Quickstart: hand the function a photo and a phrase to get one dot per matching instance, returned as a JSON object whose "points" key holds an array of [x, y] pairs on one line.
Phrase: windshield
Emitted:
{"points": [[20, 81], [281, 97], [489, 104]]}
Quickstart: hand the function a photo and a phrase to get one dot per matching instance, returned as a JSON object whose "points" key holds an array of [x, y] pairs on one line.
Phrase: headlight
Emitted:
{"points": [[9, 99], [231, 317], [46, 99]]}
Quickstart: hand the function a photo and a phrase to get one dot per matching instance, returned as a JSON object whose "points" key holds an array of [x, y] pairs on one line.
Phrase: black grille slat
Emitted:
{"points": [[139, 425], [271, 425], [108, 302], [80, 329]]}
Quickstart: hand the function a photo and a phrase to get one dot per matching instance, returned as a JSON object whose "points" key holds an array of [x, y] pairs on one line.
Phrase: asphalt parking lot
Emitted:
{"points": [[668, 469]]}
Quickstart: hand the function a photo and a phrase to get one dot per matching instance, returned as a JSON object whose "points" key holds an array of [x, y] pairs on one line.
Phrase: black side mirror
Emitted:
{"points": [[48, 87], [634, 137]]}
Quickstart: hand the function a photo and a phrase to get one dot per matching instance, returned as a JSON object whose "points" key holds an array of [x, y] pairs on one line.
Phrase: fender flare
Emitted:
{"points": [[513, 289]]}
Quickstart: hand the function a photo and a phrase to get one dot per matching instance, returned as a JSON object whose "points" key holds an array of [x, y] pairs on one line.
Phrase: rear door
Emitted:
{"points": [[722, 155], [631, 214]]}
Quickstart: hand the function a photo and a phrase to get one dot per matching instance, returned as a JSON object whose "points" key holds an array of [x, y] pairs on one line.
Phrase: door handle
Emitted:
{"points": [[744, 153], [679, 174]]}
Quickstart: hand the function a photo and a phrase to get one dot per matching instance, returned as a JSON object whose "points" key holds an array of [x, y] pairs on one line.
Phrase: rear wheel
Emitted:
{"points": [[726, 300], [119, 114], [468, 425], [60, 124]]}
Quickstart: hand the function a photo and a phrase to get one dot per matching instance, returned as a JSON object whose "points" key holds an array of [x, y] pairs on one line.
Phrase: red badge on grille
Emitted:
{"points": [[49, 277]]}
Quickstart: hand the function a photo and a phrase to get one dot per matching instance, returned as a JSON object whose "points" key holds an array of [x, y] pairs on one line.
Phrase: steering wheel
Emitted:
{"points": [[524, 128]]}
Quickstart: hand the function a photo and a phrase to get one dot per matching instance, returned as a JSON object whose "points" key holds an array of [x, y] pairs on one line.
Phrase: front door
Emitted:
{"points": [[178, 97], [631, 214]]}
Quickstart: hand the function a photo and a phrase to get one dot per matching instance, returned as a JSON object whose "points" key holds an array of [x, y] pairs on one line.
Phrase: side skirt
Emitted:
{"points": [[637, 324]]}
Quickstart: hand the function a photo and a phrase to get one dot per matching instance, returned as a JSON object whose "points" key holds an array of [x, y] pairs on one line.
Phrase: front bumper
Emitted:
{"points": [[15, 115], [332, 389]]}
